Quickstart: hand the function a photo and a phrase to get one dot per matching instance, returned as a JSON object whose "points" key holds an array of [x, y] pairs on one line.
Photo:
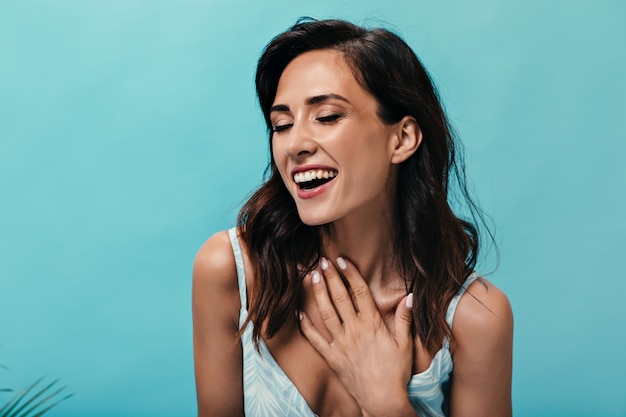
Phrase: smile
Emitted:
{"points": [[313, 178]]}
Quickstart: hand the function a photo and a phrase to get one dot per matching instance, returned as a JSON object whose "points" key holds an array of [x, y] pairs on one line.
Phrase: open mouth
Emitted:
{"points": [[308, 180]]}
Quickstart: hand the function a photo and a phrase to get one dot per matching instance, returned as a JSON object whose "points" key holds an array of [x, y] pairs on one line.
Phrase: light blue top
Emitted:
{"points": [[268, 392]]}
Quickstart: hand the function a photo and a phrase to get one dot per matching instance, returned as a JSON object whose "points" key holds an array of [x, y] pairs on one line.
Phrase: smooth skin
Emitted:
{"points": [[358, 337], [351, 354], [481, 347]]}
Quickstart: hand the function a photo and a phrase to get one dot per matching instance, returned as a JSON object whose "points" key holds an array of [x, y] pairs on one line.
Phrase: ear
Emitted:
{"points": [[407, 138]]}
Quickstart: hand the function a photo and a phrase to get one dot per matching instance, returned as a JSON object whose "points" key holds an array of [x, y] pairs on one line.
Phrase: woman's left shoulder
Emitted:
{"points": [[482, 352], [483, 318]]}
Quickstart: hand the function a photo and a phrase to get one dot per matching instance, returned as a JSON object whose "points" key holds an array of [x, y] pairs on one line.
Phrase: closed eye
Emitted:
{"points": [[280, 128], [330, 118]]}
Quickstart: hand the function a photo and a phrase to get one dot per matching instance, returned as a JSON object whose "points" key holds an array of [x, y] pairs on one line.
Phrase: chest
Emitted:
{"points": [[311, 376]]}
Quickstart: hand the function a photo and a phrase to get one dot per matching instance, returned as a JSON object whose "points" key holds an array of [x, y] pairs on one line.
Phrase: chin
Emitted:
{"points": [[314, 219]]}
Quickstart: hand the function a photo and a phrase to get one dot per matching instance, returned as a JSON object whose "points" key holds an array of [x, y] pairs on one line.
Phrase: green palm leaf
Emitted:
{"points": [[18, 405]]}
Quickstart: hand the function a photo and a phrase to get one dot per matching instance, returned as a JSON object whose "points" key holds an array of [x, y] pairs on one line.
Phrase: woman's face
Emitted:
{"points": [[333, 152]]}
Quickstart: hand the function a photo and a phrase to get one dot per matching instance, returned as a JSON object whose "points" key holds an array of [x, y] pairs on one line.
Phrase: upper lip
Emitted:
{"points": [[311, 167]]}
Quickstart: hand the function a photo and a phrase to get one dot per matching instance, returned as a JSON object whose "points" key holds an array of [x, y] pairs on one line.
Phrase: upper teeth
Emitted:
{"points": [[313, 174]]}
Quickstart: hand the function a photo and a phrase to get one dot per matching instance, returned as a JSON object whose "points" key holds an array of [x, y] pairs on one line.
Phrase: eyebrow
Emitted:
{"points": [[311, 101]]}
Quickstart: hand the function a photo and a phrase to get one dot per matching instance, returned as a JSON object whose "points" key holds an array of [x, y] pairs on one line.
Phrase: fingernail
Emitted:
{"points": [[315, 277], [342, 263], [323, 263], [409, 300], [300, 315]]}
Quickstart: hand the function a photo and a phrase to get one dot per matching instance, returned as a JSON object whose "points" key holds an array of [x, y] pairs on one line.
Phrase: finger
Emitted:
{"points": [[360, 291], [403, 320], [338, 292], [315, 338], [325, 307]]}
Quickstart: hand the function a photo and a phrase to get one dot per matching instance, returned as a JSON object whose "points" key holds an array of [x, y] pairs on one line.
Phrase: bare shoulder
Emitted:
{"points": [[483, 315], [482, 352], [215, 257], [214, 264], [215, 309], [215, 290]]}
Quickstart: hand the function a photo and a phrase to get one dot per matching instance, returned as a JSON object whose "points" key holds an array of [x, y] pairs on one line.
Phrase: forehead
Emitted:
{"points": [[315, 73]]}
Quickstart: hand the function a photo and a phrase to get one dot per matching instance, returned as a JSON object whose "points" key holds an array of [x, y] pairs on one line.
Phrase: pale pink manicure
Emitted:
{"points": [[323, 263], [342, 263], [409, 300], [315, 277]]}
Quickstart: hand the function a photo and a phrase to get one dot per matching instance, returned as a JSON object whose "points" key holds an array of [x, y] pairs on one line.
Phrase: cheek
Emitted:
{"points": [[373, 161], [278, 156], [273, 149], [370, 178], [281, 166]]}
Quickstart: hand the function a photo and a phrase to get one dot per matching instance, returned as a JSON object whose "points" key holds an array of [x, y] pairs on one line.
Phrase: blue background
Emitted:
{"points": [[129, 133]]}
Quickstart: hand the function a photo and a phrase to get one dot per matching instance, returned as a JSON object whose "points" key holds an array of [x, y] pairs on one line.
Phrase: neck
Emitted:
{"points": [[368, 245]]}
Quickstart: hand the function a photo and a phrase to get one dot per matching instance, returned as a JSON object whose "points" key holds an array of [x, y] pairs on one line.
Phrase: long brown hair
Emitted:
{"points": [[436, 250]]}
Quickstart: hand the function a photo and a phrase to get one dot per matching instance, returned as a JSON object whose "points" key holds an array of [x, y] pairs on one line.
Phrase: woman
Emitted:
{"points": [[337, 292]]}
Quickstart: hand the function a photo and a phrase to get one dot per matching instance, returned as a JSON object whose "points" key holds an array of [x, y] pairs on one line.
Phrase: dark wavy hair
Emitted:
{"points": [[436, 250]]}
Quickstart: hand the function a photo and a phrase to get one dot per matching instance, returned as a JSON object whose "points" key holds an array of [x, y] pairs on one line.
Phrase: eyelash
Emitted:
{"points": [[276, 129], [324, 119], [330, 118]]}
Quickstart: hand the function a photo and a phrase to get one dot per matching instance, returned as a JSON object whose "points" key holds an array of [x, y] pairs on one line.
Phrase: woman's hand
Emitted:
{"points": [[373, 363]]}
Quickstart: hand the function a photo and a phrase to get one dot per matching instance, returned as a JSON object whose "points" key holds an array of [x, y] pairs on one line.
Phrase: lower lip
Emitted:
{"points": [[314, 192]]}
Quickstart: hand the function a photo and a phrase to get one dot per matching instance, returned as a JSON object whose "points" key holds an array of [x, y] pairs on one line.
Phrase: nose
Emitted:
{"points": [[300, 142]]}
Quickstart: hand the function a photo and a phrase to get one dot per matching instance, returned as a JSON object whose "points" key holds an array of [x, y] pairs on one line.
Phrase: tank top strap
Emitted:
{"points": [[455, 302], [241, 275]]}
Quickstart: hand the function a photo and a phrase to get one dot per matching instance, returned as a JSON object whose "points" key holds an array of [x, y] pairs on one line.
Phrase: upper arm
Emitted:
{"points": [[482, 355], [215, 309]]}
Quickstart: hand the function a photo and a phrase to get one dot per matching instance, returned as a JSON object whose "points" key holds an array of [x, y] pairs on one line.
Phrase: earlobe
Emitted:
{"points": [[408, 137]]}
